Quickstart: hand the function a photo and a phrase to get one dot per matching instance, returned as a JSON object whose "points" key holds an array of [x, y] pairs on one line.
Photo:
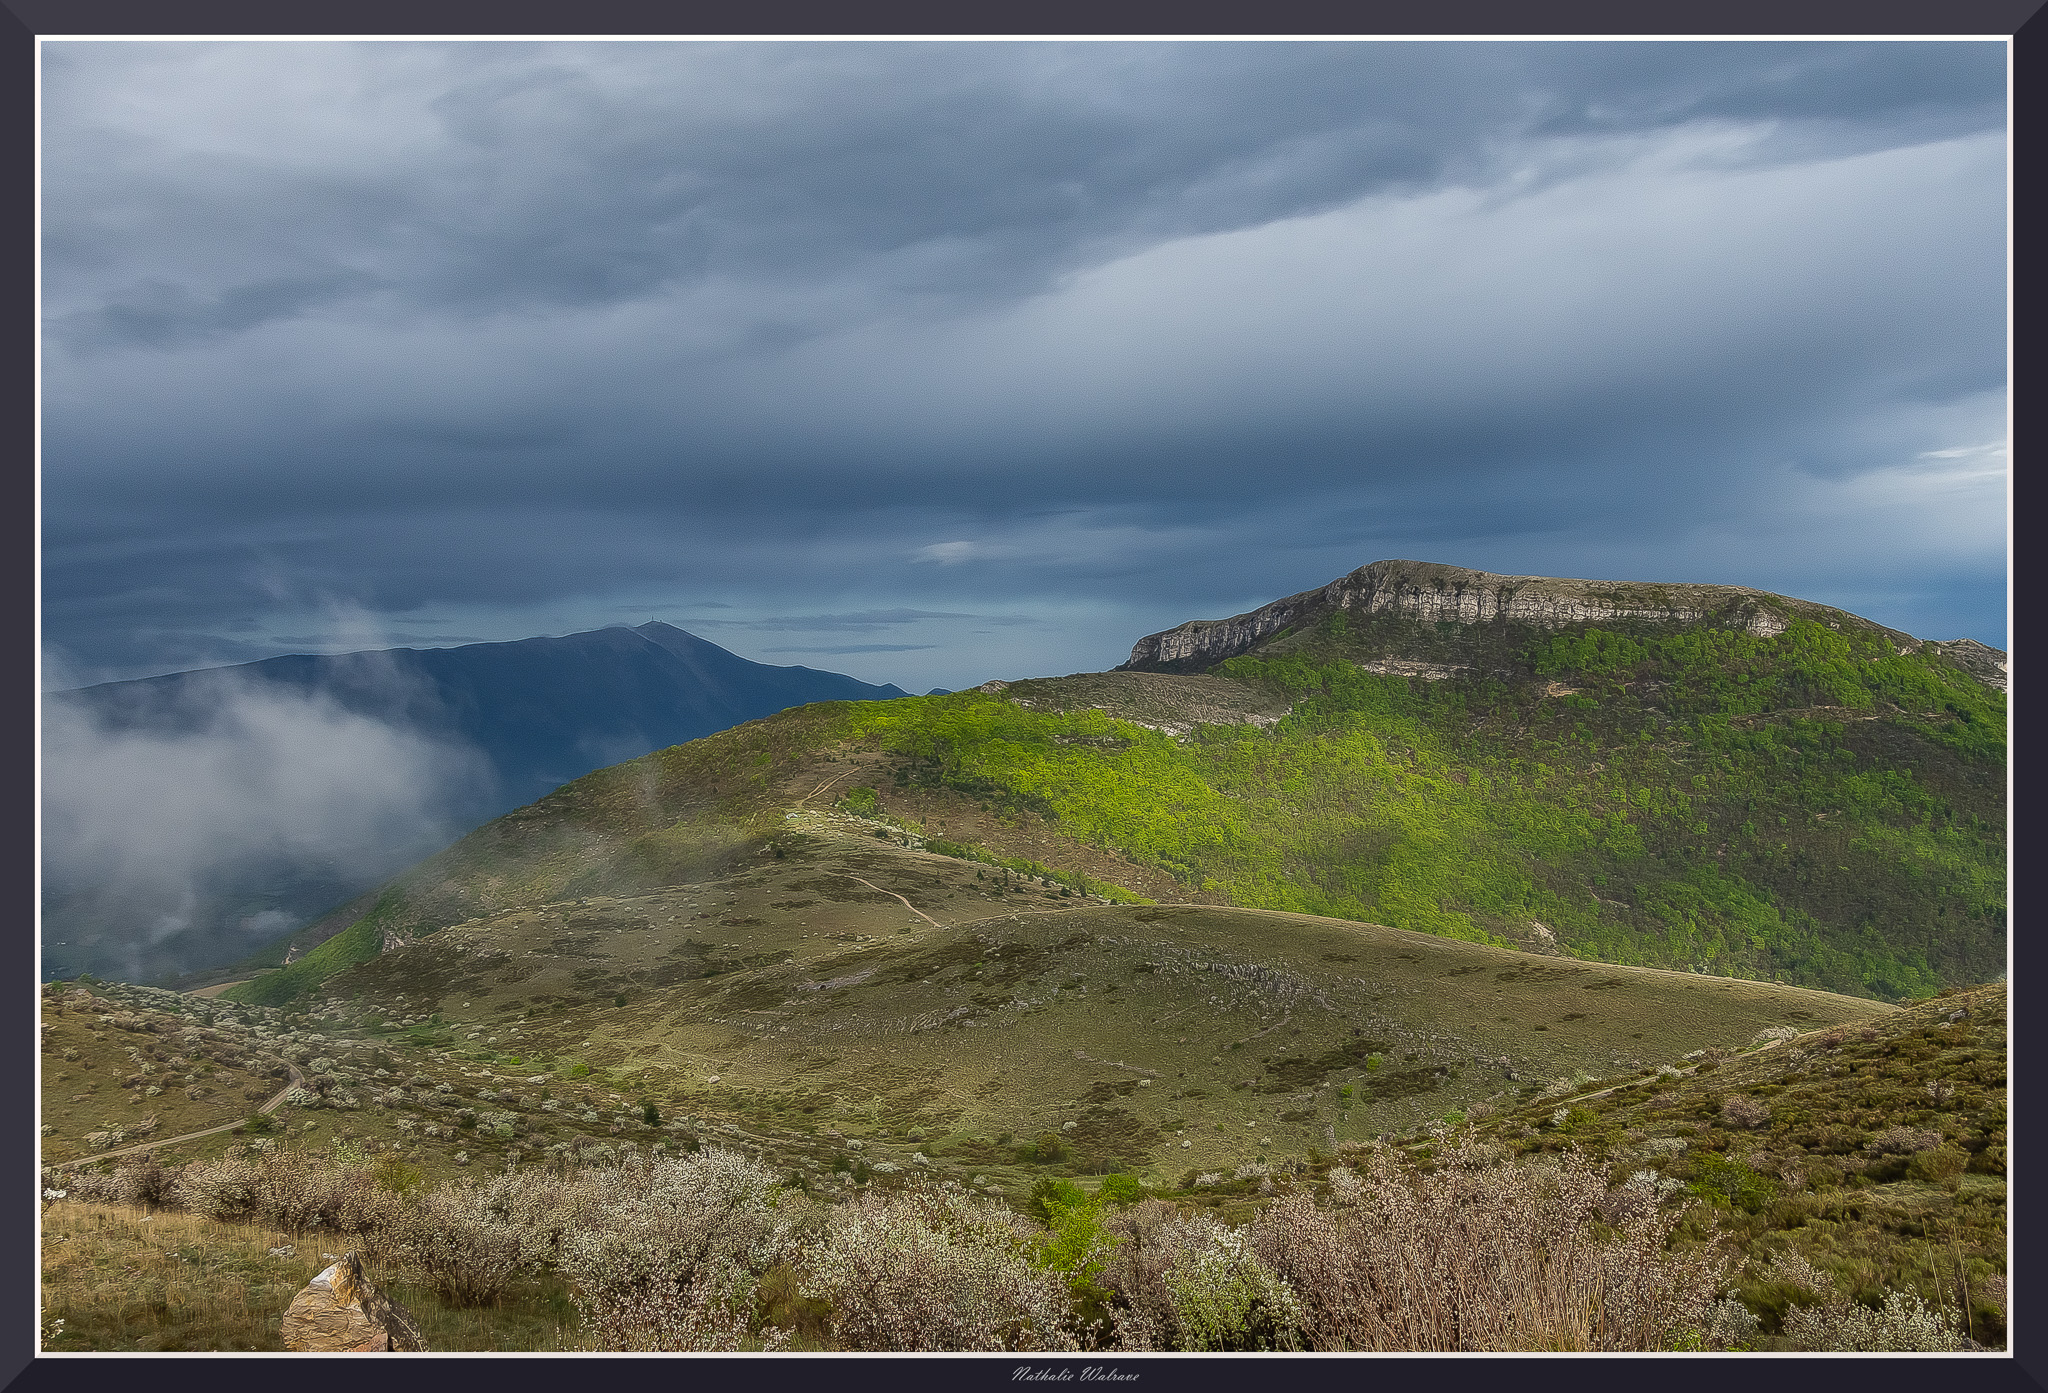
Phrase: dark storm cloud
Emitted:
{"points": [[900, 339], [486, 176], [156, 314]]}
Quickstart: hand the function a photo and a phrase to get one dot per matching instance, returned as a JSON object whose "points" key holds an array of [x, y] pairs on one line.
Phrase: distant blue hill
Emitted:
{"points": [[542, 711]]}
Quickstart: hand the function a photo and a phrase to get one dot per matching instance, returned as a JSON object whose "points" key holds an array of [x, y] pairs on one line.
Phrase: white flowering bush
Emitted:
{"points": [[1903, 1324], [453, 1241], [1487, 1254], [224, 1189], [668, 1254], [1741, 1110], [1223, 1296], [933, 1268], [1903, 1141]]}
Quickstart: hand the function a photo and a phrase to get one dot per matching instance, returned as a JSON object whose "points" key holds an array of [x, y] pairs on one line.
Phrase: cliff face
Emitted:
{"points": [[1980, 660], [1426, 593]]}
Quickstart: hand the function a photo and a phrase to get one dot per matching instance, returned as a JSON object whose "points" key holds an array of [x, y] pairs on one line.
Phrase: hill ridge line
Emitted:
{"points": [[1432, 592]]}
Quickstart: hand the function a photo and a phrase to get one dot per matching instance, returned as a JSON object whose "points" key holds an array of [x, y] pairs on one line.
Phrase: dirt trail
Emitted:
{"points": [[906, 903], [822, 787], [298, 1081], [1631, 1083]]}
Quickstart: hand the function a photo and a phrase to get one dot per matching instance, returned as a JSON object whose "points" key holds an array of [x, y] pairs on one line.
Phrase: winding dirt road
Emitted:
{"points": [[298, 1081]]}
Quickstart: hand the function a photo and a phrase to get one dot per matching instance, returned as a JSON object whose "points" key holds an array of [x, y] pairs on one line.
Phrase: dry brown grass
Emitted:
{"points": [[116, 1277], [1485, 1254]]}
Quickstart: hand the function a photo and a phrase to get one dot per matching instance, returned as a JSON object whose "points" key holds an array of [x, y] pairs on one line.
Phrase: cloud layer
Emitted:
{"points": [[228, 823], [1017, 350]]}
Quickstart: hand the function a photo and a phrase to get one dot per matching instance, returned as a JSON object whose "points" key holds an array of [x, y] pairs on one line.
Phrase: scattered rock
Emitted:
{"points": [[342, 1311]]}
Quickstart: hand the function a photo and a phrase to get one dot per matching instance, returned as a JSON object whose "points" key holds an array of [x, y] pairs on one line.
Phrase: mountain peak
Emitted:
{"points": [[1408, 604]]}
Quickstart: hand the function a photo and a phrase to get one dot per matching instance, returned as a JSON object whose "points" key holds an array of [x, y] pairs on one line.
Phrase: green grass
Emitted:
{"points": [[1813, 1176], [357, 943], [1685, 808]]}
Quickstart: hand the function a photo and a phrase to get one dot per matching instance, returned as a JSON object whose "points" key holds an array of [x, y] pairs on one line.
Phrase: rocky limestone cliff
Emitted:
{"points": [[1980, 660], [1426, 593]]}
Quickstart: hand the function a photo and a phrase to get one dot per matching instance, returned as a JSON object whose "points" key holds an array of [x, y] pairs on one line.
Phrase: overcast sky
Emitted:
{"points": [[938, 362]]}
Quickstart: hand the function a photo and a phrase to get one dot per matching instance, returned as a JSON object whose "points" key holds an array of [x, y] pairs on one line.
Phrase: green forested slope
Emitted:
{"points": [[1813, 806]]}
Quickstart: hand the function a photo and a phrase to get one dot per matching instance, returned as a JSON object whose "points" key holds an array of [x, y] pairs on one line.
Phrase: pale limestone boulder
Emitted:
{"points": [[342, 1312]]}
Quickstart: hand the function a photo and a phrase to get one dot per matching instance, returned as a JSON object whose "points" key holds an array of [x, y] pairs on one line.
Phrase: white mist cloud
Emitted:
{"points": [[239, 784]]}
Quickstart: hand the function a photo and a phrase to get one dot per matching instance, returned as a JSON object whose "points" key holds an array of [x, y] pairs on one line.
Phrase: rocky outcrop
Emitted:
{"points": [[1980, 660], [1429, 593], [342, 1312]]}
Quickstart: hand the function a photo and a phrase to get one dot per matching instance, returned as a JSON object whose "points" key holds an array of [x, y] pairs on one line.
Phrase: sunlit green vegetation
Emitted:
{"points": [[360, 942], [1812, 807]]}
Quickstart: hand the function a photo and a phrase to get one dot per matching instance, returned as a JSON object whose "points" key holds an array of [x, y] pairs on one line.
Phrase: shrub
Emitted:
{"points": [[145, 1180], [934, 1269], [1135, 1273], [1049, 1148], [1903, 1324], [1223, 1296], [1051, 1194], [1789, 1279], [1741, 1110], [456, 1245], [1075, 1243], [139, 1180], [1121, 1189], [1733, 1183], [667, 1255], [1902, 1141], [1941, 1165], [1487, 1254], [223, 1190], [298, 1193], [396, 1177], [99, 1187], [544, 1207]]}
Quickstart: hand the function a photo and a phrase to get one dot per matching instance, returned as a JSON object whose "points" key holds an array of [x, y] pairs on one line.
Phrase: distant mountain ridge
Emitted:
{"points": [[542, 711], [1409, 604]]}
